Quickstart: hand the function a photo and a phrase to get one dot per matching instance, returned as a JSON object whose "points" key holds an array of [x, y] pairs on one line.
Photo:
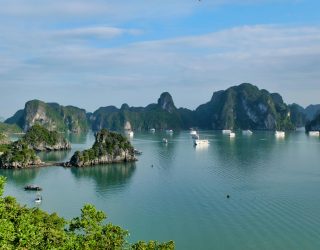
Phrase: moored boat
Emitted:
{"points": [[200, 142], [280, 134], [152, 130], [232, 135], [165, 140], [32, 188], [314, 133]]}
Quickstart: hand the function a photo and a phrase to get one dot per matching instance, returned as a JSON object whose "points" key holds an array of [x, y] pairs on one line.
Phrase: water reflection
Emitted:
{"points": [[106, 176], [54, 156], [20, 176]]}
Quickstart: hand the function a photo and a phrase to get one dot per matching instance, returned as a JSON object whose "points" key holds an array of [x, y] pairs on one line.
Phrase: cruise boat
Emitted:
{"points": [[247, 132], [201, 142], [280, 134], [314, 133], [232, 135], [226, 131]]}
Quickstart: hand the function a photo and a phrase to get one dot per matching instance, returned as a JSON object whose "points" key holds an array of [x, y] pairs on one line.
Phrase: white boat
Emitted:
{"points": [[38, 198], [193, 132], [165, 140], [152, 130], [200, 142], [247, 132], [314, 133], [280, 134], [226, 131], [130, 133], [232, 135], [169, 131]]}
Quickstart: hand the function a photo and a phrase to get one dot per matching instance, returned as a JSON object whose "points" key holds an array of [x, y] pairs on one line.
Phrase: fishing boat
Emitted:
{"points": [[137, 152], [32, 188], [38, 199]]}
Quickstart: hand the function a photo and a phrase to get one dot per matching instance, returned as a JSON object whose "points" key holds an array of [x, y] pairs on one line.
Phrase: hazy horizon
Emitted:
{"points": [[98, 53]]}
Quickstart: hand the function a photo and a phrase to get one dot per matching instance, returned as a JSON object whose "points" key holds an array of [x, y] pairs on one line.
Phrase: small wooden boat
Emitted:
{"points": [[32, 188]]}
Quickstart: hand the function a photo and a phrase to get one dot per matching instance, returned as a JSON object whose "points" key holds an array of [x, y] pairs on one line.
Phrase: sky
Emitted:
{"points": [[97, 53]]}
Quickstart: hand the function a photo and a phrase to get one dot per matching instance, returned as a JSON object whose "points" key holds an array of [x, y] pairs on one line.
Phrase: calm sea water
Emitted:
{"points": [[178, 191]]}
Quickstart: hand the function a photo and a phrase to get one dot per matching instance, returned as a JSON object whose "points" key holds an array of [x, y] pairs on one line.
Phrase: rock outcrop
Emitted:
{"points": [[41, 139], [19, 155], [109, 147]]}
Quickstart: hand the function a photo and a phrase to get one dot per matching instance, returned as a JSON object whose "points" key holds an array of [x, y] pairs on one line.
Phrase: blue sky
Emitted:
{"points": [[98, 52]]}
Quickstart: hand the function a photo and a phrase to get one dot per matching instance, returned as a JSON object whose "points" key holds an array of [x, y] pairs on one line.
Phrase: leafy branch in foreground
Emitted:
{"points": [[32, 228]]}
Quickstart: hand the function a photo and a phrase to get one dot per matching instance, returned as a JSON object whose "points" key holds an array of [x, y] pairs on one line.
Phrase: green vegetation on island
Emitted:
{"points": [[52, 116], [18, 155], [31, 228], [9, 128], [39, 138], [108, 147], [21, 154]]}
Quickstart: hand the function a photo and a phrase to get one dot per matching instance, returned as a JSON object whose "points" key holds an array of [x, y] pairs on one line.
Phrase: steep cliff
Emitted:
{"points": [[244, 107], [50, 115], [313, 125]]}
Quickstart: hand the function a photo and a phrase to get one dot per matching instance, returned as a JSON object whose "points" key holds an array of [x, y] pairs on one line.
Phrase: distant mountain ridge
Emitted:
{"points": [[50, 115], [244, 106]]}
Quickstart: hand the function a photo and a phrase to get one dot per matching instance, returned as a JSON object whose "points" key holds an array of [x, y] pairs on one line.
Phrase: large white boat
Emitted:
{"points": [[226, 131], [280, 134], [314, 133], [232, 135], [247, 132], [201, 142]]}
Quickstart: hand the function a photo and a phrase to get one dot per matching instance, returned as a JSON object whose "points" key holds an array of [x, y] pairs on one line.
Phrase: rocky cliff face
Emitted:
{"points": [[313, 125], [109, 147], [19, 155], [50, 115], [244, 107]]}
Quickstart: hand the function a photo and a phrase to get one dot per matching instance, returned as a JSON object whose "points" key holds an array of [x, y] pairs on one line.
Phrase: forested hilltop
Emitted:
{"points": [[239, 107]]}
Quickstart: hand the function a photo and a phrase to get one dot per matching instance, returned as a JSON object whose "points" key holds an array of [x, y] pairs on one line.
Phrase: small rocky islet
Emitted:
{"points": [[109, 147]]}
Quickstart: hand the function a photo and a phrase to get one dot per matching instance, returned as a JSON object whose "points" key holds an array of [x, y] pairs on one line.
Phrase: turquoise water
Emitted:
{"points": [[178, 192]]}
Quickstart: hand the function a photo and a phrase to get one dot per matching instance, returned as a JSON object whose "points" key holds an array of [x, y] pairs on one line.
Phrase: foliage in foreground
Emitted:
{"points": [[32, 228]]}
